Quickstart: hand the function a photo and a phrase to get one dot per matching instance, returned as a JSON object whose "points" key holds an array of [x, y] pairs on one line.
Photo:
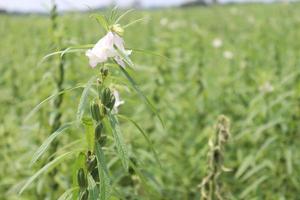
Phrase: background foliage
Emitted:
{"points": [[190, 89]]}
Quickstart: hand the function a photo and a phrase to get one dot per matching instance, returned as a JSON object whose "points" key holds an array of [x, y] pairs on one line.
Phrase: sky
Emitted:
{"points": [[43, 5]]}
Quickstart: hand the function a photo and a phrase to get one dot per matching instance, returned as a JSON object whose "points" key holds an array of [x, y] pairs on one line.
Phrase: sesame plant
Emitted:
{"points": [[98, 114], [56, 115], [211, 185]]}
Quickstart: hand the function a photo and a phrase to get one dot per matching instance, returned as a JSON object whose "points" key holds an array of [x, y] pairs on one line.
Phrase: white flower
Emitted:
{"points": [[266, 87], [107, 47], [164, 21], [228, 55], [118, 101], [217, 43]]}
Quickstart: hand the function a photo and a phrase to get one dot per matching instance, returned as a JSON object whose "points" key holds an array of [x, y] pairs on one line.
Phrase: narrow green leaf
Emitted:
{"points": [[101, 19], [73, 49], [38, 106], [255, 169], [47, 167], [89, 132], [105, 185], [84, 98], [244, 166], [141, 94], [118, 138], [92, 188], [123, 15], [113, 15], [79, 163], [289, 161], [145, 136], [133, 22], [252, 187], [68, 194], [148, 188], [48, 141], [149, 52]]}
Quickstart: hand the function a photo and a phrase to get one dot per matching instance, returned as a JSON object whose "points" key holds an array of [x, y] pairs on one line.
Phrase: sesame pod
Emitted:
{"points": [[111, 102], [102, 140], [106, 96], [98, 131], [81, 178], [95, 111]]}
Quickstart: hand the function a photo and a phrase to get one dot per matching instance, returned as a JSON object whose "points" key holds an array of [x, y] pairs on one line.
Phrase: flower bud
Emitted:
{"points": [[81, 178], [104, 71], [117, 29], [95, 111], [98, 131]]}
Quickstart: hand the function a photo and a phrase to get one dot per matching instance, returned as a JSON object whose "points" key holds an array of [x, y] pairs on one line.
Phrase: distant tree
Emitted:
{"points": [[189, 3], [3, 11], [136, 4]]}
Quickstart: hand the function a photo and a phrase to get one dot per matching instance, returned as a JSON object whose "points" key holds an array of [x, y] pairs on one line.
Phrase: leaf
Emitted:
{"points": [[79, 163], [289, 161], [83, 98], [255, 169], [68, 194], [113, 14], [123, 15], [253, 186], [144, 181], [89, 132], [133, 22], [266, 144], [244, 166], [47, 167], [92, 188], [121, 147], [145, 136], [48, 141], [101, 19], [105, 185], [37, 107], [73, 49], [141, 94], [149, 52]]}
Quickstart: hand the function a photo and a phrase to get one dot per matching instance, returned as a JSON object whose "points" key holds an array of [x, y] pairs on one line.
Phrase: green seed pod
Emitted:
{"points": [[95, 111], [105, 98], [81, 178], [102, 140], [112, 101], [98, 131]]}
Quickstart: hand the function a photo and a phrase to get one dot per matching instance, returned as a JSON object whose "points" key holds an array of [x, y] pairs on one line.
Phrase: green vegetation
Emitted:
{"points": [[194, 65]]}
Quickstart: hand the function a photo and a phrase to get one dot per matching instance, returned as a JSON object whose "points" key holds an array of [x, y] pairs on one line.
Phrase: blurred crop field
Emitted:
{"points": [[242, 61]]}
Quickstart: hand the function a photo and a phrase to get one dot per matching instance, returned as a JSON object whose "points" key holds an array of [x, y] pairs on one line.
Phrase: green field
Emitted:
{"points": [[253, 78]]}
